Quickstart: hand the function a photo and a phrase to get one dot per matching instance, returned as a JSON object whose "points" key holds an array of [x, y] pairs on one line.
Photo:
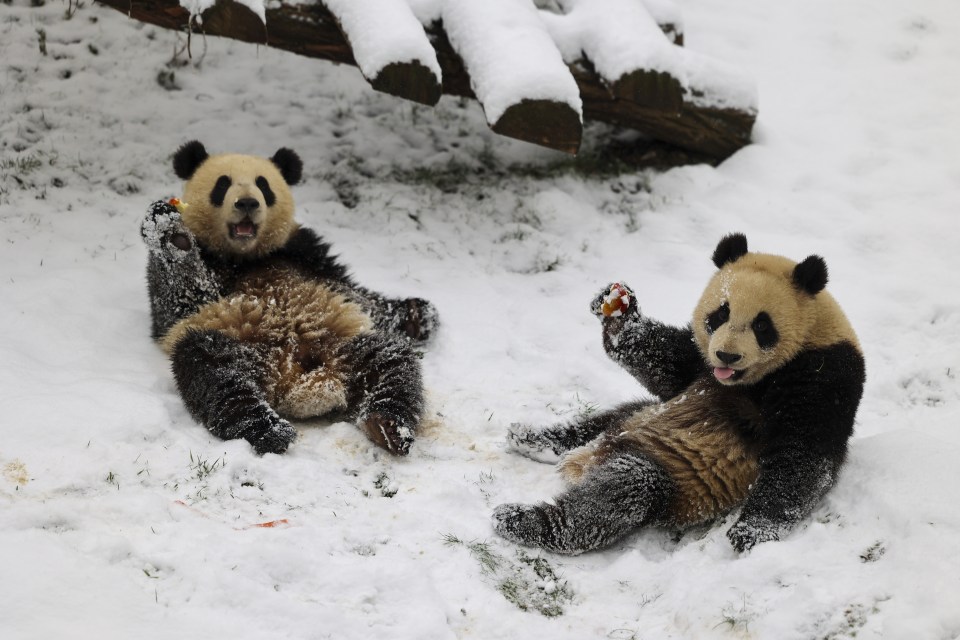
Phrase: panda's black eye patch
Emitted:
{"points": [[764, 331], [268, 196], [716, 319], [220, 191]]}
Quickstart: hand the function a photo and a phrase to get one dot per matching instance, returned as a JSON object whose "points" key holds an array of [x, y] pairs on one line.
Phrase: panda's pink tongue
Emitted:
{"points": [[722, 373]]}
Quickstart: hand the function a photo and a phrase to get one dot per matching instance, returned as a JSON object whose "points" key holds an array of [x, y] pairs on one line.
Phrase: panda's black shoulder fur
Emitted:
{"points": [[310, 252], [812, 400]]}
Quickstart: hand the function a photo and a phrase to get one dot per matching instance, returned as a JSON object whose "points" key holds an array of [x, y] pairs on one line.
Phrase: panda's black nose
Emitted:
{"points": [[246, 205], [728, 358]]}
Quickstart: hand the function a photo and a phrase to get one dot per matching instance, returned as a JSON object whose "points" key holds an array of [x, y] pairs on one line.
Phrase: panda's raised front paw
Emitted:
{"points": [[616, 300], [421, 319], [532, 443], [744, 535], [387, 432], [163, 230]]}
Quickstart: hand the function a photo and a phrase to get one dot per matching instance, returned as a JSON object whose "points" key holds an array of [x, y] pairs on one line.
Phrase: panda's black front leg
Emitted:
{"points": [[662, 358], [219, 380], [623, 493], [413, 318], [385, 390], [790, 485], [178, 280]]}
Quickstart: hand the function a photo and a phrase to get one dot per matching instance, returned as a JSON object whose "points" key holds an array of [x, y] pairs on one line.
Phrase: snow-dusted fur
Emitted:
{"points": [[757, 402], [262, 323]]}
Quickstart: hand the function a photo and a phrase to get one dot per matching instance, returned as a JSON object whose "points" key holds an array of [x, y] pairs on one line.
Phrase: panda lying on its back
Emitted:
{"points": [[757, 402], [259, 319]]}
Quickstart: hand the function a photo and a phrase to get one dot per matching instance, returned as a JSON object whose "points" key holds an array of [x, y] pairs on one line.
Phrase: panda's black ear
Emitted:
{"points": [[188, 158], [811, 275], [730, 248], [290, 165]]}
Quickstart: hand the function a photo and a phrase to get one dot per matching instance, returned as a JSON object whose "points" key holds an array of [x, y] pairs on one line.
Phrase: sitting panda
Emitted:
{"points": [[261, 323], [756, 404]]}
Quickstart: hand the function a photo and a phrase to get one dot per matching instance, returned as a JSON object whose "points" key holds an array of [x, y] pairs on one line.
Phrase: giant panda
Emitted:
{"points": [[756, 402], [261, 323]]}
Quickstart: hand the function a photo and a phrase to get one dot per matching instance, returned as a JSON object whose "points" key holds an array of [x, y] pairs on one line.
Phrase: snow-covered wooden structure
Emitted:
{"points": [[539, 69]]}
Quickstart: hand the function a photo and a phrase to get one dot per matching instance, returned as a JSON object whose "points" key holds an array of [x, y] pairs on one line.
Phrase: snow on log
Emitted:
{"points": [[715, 119], [626, 47], [516, 71], [667, 15], [390, 47]]}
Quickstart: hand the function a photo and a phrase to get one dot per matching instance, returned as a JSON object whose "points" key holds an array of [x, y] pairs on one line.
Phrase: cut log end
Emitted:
{"points": [[550, 124], [409, 80], [651, 90], [234, 20]]}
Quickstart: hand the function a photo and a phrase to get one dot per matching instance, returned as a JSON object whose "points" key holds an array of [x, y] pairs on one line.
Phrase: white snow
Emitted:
{"points": [[427, 11], [665, 12], [509, 54], [382, 32], [121, 518]]}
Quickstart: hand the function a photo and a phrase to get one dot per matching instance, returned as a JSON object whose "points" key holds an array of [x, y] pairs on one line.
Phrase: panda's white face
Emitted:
{"points": [[751, 319], [239, 205]]}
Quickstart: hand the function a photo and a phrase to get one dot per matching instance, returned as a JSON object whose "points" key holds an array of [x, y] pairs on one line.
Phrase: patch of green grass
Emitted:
{"points": [[737, 618], [529, 582], [581, 410], [202, 467], [21, 165]]}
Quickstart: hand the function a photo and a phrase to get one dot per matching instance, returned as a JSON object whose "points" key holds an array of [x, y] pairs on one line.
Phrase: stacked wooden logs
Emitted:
{"points": [[537, 72]]}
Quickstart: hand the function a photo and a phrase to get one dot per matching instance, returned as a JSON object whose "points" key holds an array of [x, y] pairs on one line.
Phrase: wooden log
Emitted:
{"points": [[516, 71], [390, 47], [706, 133], [543, 122]]}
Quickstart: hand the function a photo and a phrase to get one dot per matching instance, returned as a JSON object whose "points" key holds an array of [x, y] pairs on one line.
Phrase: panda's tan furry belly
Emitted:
{"points": [[299, 325], [693, 438]]}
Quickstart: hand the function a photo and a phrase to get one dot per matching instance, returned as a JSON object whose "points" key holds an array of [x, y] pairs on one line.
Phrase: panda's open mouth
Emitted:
{"points": [[243, 230]]}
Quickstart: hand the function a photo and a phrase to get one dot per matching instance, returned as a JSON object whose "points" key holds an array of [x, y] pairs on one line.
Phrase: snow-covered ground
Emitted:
{"points": [[120, 517]]}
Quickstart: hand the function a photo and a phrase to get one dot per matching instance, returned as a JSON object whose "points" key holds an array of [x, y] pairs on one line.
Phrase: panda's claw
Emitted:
{"points": [[388, 432]]}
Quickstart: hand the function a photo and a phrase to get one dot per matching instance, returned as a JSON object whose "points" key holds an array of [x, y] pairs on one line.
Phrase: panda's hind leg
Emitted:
{"points": [[624, 492], [219, 379], [385, 389], [548, 444]]}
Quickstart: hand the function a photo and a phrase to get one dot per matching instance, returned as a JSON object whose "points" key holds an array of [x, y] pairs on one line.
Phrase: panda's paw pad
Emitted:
{"points": [[163, 230]]}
